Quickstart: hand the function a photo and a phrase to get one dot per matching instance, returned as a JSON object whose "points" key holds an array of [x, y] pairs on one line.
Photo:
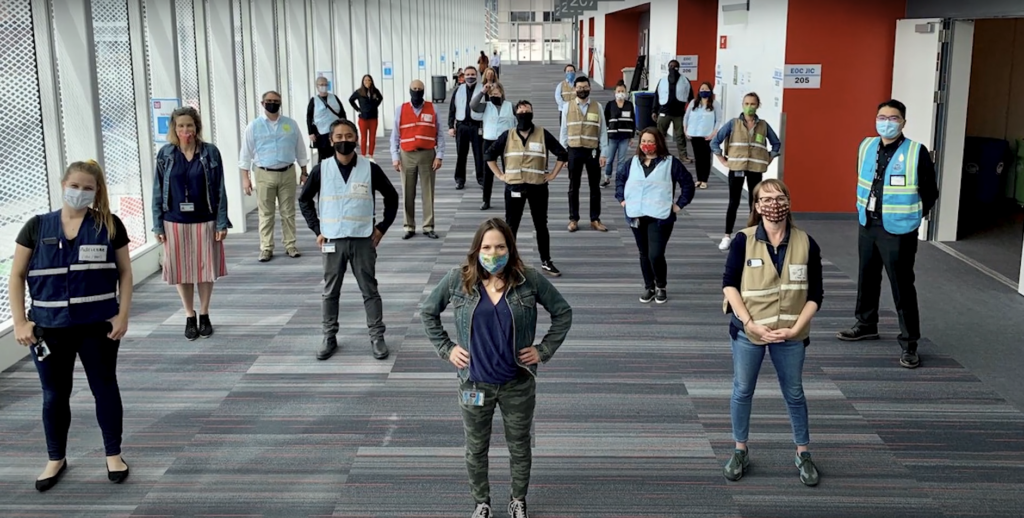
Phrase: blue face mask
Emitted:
{"points": [[493, 263], [705, 94], [570, 76], [887, 129], [78, 199]]}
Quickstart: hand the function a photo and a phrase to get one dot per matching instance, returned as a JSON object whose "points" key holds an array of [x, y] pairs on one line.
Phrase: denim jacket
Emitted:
{"points": [[523, 297], [216, 193]]}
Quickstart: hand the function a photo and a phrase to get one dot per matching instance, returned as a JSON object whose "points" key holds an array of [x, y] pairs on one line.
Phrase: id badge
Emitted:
{"points": [[92, 253], [428, 117], [634, 222], [329, 248], [516, 194], [593, 153], [535, 146], [41, 350], [361, 188], [187, 207], [593, 117], [898, 181], [472, 398], [871, 203], [798, 272], [755, 263], [480, 131], [627, 114], [737, 174]]}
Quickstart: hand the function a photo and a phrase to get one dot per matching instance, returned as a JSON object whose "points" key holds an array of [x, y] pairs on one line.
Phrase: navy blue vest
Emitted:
{"points": [[72, 284]]}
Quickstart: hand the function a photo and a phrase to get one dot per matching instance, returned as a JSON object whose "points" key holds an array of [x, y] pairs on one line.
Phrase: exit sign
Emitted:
{"points": [[723, 42]]}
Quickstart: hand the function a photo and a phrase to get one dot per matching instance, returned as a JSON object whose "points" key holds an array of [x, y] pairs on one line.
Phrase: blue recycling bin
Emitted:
{"points": [[643, 104]]}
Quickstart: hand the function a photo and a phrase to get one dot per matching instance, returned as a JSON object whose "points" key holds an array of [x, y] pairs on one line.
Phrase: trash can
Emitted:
{"points": [[439, 88], [627, 76], [643, 103]]}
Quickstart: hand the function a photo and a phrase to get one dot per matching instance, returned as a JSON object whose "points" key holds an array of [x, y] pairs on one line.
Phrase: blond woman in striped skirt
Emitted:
{"points": [[190, 214]]}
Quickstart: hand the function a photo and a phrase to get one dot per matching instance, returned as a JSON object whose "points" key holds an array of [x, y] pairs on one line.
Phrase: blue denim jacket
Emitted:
{"points": [[216, 193], [531, 289]]}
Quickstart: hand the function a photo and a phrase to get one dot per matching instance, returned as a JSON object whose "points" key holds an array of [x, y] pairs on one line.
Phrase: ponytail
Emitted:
{"points": [[101, 206]]}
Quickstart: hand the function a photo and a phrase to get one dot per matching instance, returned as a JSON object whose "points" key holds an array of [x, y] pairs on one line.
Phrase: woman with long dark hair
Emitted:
{"points": [[366, 100], [495, 298], [701, 121]]}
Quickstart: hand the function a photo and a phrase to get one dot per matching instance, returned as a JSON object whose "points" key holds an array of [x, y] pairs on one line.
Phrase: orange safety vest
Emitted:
{"points": [[418, 132]]}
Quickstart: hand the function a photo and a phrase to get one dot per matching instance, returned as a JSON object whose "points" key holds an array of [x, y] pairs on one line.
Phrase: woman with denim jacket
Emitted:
{"points": [[190, 216], [495, 298]]}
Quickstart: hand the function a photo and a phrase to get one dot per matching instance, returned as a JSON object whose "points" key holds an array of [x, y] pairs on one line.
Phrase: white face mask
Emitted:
{"points": [[621, 96], [78, 199], [321, 89]]}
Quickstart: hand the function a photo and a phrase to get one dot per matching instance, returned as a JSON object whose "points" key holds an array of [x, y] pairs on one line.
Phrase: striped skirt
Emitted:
{"points": [[192, 253]]}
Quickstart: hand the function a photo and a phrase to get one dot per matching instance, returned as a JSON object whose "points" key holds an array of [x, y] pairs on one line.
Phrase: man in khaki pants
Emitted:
{"points": [[271, 146], [417, 148]]}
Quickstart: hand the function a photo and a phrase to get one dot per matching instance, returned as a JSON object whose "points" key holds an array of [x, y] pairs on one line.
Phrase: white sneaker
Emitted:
{"points": [[724, 245], [482, 511]]}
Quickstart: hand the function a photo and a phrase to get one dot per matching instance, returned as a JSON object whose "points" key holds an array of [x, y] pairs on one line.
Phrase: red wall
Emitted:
{"points": [[698, 34], [621, 45], [854, 41]]}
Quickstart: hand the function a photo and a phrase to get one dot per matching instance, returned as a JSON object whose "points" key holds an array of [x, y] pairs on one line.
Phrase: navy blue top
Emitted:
{"points": [[680, 177], [188, 175], [491, 355], [738, 258]]}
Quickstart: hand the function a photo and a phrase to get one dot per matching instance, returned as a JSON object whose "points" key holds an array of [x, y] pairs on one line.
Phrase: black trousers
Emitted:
{"points": [[651, 240], [516, 198], [702, 157], [736, 191], [324, 148], [580, 159], [467, 135], [488, 174], [56, 374], [896, 253]]}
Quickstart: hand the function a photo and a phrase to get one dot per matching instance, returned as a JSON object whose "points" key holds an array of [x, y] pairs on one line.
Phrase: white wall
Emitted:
{"points": [[664, 16], [756, 48]]}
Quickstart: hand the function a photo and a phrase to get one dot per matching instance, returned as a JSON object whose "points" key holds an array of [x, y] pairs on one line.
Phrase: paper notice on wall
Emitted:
{"points": [[777, 80], [802, 76], [735, 74], [161, 110], [718, 71]]}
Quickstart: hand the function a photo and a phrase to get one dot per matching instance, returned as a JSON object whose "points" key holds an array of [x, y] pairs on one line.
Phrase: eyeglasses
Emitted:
{"points": [[781, 200], [895, 118]]}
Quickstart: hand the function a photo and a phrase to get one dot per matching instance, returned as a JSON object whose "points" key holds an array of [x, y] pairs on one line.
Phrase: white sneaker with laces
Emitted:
{"points": [[482, 511], [724, 245], [517, 509]]}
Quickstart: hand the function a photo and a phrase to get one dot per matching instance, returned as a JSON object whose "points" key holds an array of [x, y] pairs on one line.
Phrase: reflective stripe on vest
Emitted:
{"points": [[416, 132], [346, 208], [322, 117], [275, 147], [526, 163], [748, 150], [584, 130], [622, 125], [649, 195], [498, 120], [460, 105], [901, 205]]}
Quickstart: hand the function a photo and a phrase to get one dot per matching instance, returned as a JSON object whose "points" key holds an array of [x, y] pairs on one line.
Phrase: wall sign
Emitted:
{"points": [[329, 76], [802, 76], [389, 70], [688, 66], [422, 63], [442, 57], [723, 41], [161, 111], [718, 71]]}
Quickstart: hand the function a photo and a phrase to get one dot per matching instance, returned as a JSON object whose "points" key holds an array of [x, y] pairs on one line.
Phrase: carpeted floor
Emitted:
{"points": [[632, 417]]}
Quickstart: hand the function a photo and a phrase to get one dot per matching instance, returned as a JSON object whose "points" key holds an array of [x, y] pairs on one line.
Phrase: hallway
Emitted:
{"points": [[632, 416]]}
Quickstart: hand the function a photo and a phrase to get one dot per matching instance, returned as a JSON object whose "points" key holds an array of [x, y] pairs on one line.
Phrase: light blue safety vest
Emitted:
{"points": [[650, 195], [682, 90], [72, 284], [346, 208], [275, 148], [322, 117], [460, 104], [901, 203], [701, 122], [498, 120]]}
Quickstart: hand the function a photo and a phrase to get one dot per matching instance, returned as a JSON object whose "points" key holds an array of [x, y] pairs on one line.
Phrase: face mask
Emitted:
{"points": [[673, 72], [345, 148], [705, 94], [272, 107], [321, 89], [749, 111], [570, 76], [184, 137], [78, 199], [496, 101], [582, 94], [416, 97], [887, 129], [620, 96], [470, 80], [493, 263], [775, 212], [524, 120], [648, 148]]}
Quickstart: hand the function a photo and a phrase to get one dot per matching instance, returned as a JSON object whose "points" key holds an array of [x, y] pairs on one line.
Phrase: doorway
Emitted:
{"points": [[529, 43]]}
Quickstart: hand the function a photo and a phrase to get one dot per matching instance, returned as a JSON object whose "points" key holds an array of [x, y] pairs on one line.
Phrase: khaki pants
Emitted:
{"points": [[415, 165], [276, 190]]}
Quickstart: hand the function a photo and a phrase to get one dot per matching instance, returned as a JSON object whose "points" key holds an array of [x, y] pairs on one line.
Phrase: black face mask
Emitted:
{"points": [[673, 73], [416, 97], [495, 100], [272, 107], [345, 147], [524, 121], [583, 94], [470, 80]]}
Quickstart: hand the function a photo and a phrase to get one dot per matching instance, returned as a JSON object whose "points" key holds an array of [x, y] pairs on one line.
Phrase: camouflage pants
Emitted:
{"points": [[517, 400]]}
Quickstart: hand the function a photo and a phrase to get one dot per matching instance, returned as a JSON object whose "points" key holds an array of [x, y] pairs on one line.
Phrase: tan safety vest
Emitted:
{"points": [[526, 163], [584, 130], [748, 150], [775, 301], [568, 92]]}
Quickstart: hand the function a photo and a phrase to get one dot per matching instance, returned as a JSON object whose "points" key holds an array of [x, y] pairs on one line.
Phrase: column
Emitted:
{"points": [[298, 42], [323, 49], [264, 35], [360, 47], [281, 53], [224, 108], [144, 122], [374, 57], [393, 95], [79, 95], [399, 50], [202, 64], [49, 101], [343, 51], [252, 95]]}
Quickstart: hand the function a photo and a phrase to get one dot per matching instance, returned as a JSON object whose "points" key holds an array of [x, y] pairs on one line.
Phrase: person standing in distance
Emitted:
{"points": [[270, 148], [75, 262], [466, 126], [524, 153], [324, 108], [585, 134], [896, 188], [417, 149], [495, 298], [498, 118], [703, 116], [366, 100], [347, 232], [496, 63], [621, 130], [565, 90], [671, 96]]}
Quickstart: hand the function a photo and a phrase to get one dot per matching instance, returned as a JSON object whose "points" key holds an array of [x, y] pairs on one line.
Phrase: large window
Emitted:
{"points": [[550, 16], [24, 190], [522, 16]]}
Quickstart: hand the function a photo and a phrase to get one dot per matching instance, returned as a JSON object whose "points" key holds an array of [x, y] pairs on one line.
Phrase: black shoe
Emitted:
{"points": [[660, 296], [460, 186], [485, 206], [205, 327], [480, 182], [910, 359], [118, 477], [808, 472], [408, 234], [647, 296], [380, 349], [327, 348], [517, 509], [430, 234], [606, 182], [738, 464], [47, 483], [857, 333], [549, 268], [191, 329]]}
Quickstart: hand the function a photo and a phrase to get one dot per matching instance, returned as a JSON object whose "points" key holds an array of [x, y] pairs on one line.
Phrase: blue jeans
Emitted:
{"points": [[788, 358], [618, 155]]}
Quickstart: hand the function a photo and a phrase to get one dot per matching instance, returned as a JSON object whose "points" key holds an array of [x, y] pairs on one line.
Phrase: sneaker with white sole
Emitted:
{"points": [[724, 245], [482, 511], [517, 509]]}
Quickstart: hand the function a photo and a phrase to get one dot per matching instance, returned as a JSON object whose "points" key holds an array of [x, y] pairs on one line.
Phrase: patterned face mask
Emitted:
{"points": [[775, 212], [493, 263]]}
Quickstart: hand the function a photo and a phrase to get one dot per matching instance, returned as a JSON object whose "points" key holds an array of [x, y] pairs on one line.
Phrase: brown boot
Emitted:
{"points": [[598, 226], [573, 227]]}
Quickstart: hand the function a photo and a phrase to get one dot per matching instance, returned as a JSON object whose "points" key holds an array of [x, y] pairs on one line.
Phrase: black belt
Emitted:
{"points": [[471, 122], [276, 170]]}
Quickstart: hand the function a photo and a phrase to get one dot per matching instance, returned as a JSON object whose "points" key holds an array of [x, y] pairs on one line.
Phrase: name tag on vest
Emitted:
{"points": [[627, 114], [428, 117], [593, 117], [535, 146], [898, 181], [92, 253], [798, 272], [361, 188], [755, 263], [187, 207]]}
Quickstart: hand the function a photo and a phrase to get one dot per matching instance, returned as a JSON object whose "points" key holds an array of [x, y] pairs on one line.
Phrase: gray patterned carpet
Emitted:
{"points": [[632, 417]]}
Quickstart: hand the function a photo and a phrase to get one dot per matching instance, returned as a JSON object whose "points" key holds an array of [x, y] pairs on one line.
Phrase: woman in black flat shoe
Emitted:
{"points": [[79, 275]]}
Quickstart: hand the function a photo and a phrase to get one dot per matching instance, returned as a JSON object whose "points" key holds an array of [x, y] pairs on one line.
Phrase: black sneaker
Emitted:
{"points": [[857, 333], [482, 511], [910, 359], [205, 327], [647, 296], [327, 348], [517, 509], [191, 329], [808, 472], [738, 464], [660, 296], [549, 268]]}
